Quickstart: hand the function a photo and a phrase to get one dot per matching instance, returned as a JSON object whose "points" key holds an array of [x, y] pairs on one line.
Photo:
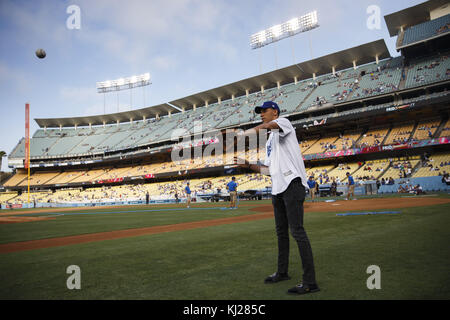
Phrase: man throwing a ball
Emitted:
{"points": [[284, 163]]}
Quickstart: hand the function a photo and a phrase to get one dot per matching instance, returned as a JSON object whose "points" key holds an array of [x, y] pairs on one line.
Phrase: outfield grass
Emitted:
{"points": [[231, 261]]}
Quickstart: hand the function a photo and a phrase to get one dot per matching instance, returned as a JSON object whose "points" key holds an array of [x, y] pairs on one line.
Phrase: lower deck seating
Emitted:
{"points": [[6, 196], [372, 170], [320, 173], [400, 169], [437, 164], [339, 173], [159, 190]]}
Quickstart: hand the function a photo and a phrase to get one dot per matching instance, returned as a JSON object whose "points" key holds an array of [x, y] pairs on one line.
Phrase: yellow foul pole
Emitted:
{"points": [[27, 145]]}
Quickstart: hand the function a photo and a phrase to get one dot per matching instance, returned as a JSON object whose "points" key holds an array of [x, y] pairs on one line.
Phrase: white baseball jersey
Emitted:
{"points": [[284, 157]]}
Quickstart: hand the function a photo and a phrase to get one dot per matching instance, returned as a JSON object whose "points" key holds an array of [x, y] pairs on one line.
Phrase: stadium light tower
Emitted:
{"points": [[123, 84], [287, 29]]}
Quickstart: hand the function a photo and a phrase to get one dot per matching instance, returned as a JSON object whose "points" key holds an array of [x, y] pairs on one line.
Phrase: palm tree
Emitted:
{"points": [[2, 154]]}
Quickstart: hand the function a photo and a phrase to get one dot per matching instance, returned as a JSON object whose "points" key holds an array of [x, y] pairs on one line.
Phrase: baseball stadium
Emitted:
{"points": [[104, 192]]}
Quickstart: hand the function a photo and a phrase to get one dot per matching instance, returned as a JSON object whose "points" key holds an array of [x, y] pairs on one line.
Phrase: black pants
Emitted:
{"points": [[288, 209]]}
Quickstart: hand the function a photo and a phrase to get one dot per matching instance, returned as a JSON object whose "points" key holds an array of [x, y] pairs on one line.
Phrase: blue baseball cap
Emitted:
{"points": [[268, 104]]}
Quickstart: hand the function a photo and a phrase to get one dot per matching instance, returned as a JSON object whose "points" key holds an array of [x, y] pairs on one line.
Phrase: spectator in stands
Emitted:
{"points": [[408, 172], [418, 190], [442, 29], [446, 179], [147, 198]]}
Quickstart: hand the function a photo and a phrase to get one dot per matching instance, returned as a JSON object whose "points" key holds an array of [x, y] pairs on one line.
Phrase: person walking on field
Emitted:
{"points": [[284, 163], [351, 187], [312, 187], [232, 188], [187, 190]]}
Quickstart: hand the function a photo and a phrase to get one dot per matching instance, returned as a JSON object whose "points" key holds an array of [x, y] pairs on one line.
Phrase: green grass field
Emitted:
{"points": [[229, 261]]}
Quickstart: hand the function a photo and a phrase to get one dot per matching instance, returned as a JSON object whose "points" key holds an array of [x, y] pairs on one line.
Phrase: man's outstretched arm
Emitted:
{"points": [[254, 167], [272, 125]]}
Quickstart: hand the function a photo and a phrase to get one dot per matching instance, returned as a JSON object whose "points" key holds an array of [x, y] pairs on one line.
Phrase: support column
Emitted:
{"points": [[232, 97], [206, 104], [295, 80], [90, 126], [76, 127], [183, 109], [117, 122], [246, 92], [194, 106], [144, 118], [354, 64], [60, 127], [314, 76], [278, 84], [104, 124], [333, 69], [376, 59], [219, 100], [262, 89], [45, 128], [170, 114]]}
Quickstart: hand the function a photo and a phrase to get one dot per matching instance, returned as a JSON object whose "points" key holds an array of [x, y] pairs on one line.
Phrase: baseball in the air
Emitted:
{"points": [[40, 53]]}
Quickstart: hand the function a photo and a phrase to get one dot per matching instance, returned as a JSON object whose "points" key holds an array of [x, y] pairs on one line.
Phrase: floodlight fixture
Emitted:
{"points": [[290, 28], [276, 31], [124, 83]]}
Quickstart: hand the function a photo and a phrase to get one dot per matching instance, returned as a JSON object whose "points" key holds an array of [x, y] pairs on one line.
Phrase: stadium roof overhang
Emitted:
{"points": [[341, 60], [411, 16], [137, 114]]}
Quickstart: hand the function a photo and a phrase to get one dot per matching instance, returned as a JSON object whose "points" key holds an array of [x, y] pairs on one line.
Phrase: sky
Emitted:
{"points": [[187, 46]]}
